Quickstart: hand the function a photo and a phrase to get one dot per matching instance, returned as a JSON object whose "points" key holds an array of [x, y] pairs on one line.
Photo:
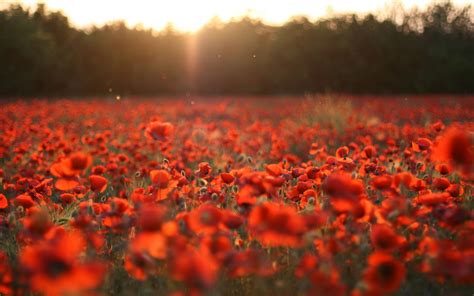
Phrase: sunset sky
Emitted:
{"points": [[190, 15]]}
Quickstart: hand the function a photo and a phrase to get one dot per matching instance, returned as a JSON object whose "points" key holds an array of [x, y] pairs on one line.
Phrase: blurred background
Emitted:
{"points": [[60, 48]]}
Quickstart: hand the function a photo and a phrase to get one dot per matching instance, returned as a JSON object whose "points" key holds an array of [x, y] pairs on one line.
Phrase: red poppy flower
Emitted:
{"points": [[196, 270], [55, 269], [160, 178], [326, 283], [159, 130], [204, 169], [217, 246], [433, 199], [150, 217], [276, 225], [382, 182], [424, 143], [455, 147], [67, 198], [384, 238], [24, 200], [98, 183], [138, 265], [3, 201], [307, 264], [273, 169], [79, 161], [38, 223], [151, 243], [227, 178], [205, 219], [384, 273], [344, 192], [369, 152], [441, 183], [342, 151], [6, 275], [66, 184]]}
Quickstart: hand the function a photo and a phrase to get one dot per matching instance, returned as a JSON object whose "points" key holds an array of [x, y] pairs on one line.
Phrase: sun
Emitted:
{"points": [[184, 15], [191, 15]]}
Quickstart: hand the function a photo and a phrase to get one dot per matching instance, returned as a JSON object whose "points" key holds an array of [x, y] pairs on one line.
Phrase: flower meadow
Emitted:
{"points": [[237, 196]]}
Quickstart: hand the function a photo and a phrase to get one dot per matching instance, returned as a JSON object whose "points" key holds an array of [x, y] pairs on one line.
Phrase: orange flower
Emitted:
{"points": [[150, 243], [79, 161], [98, 183], [424, 144], [276, 225], [6, 275], [67, 198], [197, 270], [3, 201], [204, 169], [227, 178], [342, 151], [160, 178], [344, 192], [441, 183], [64, 184], [457, 149], [384, 238], [217, 246], [150, 218], [232, 220], [326, 283], [54, 267], [159, 130], [138, 265], [24, 200], [273, 169], [205, 219], [68, 170], [307, 264], [38, 223], [433, 199], [382, 182], [384, 273]]}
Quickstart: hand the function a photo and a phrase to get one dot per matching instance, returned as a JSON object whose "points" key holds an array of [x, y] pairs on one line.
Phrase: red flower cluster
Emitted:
{"points": [[256, 195]]}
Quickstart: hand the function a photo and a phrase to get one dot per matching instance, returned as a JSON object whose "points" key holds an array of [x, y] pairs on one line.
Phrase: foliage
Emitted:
{"points": [[416, 52]]}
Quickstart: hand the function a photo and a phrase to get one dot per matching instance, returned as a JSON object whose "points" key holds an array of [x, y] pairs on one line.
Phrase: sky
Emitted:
{"points": [[190, 15]]}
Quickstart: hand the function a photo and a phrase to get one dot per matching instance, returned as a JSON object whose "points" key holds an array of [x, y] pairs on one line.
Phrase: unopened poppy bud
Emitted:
{"points": [[393, 215], [11, 218], [201, 182], [311, 200]]}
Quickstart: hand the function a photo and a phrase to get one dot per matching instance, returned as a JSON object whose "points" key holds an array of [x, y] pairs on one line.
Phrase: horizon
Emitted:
{"points": [[145, 14]]}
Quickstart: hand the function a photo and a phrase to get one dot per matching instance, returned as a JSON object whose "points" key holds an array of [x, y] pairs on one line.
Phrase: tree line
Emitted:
{"points": [[430, 51]]}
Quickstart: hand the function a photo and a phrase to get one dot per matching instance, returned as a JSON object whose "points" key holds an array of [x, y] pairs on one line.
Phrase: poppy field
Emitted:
{"points": [[237, 196]]}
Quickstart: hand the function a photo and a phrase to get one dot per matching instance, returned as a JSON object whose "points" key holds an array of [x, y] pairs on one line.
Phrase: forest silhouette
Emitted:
{"points": [[429, 51]]}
